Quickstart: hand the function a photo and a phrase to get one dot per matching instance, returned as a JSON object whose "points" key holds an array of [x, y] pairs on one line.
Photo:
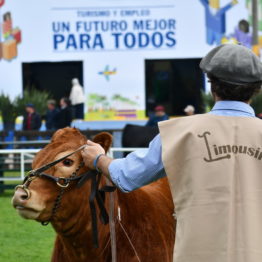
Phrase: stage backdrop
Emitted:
{"points": [[112, 38]]}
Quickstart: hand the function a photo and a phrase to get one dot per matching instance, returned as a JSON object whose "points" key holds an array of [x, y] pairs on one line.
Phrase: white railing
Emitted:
{"points": [[8, 159], [22, 157]]}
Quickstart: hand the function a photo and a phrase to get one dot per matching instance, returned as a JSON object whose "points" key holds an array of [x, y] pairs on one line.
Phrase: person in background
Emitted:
{"points": [[160, 115], [189, 110], [64, 117], [259, 115], [51, 113], [77, 98], [32, 120]]}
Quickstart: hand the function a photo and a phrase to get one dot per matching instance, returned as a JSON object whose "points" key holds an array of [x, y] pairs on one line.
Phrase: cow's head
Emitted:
{"points": [[44, 192]]}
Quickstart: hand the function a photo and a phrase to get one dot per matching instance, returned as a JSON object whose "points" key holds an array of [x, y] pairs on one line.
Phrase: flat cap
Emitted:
{"points": [[233, 64]]}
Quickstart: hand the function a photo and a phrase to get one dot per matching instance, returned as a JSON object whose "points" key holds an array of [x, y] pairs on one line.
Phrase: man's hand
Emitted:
{"points": [[90, 152]]}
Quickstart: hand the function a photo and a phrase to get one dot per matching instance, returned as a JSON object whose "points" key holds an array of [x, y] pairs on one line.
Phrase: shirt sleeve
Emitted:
{"points": [[139, 168]]}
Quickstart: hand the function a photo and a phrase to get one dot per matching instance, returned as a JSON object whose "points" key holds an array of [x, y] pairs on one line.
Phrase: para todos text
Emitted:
{"points": [[97, 35]]}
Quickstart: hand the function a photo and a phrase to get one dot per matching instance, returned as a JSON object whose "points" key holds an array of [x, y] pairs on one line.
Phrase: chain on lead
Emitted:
{"points": [[60, 195]]}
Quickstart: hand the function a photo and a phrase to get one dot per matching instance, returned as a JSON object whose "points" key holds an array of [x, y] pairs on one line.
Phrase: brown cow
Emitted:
{"points": [[146, 214]]}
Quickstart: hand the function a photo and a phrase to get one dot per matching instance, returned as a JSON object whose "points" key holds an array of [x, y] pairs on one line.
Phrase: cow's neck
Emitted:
{"points": [[74, 236]]}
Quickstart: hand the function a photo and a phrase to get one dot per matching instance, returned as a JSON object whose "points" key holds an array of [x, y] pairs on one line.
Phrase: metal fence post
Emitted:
{"points": [[22, 163]]}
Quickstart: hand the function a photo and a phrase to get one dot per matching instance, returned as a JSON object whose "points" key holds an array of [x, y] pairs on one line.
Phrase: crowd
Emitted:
{"points": [[161, 115], [57, 117], [73, 107]]}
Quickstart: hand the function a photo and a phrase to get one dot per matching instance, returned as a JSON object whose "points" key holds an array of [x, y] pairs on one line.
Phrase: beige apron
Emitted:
{"points": [[214, 166]]}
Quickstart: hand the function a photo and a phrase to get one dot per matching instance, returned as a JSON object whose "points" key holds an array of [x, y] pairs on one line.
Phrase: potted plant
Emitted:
{"points": [[32, 96], [10, 110]]}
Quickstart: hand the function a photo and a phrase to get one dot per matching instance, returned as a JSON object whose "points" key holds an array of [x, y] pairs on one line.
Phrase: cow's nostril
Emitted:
{"points": [[22, 192], [24, 197]]}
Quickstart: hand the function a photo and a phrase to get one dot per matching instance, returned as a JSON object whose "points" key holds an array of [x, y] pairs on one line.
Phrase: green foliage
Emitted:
{"points": [[257, 103], [20, 239], [34, 96], [208, 101], [11, 109], [7, 108]]}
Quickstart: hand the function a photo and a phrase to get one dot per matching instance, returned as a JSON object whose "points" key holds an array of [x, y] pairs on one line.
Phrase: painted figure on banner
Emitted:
{"points": [[11, 37], [107, 72], [1, 46], [216, 20], [242, 33]]}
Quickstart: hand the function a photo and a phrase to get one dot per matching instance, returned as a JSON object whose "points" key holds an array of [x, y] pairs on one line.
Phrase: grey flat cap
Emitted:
{"points": [[234, 64]]}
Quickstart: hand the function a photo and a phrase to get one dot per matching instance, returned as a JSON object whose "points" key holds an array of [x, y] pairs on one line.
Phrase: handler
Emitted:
{"points": [[213, 162]]}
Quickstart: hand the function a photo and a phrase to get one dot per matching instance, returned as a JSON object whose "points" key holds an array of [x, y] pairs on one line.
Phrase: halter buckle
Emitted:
{"points": [[31, 173], [30, 178], [62, 182]]}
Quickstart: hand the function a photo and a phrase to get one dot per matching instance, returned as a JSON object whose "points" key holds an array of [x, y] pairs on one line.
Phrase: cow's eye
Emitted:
{"points": [[68, 162]]}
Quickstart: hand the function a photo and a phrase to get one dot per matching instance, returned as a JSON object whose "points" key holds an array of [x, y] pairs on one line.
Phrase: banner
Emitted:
{"points": [[113, 39]]}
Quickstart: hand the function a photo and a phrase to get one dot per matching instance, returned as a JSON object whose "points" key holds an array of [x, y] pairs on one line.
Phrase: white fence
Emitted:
{"points": [[21, 157]]}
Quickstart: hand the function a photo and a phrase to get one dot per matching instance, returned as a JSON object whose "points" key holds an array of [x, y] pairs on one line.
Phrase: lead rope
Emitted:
{"points": [[112, 225], [128, 238]]}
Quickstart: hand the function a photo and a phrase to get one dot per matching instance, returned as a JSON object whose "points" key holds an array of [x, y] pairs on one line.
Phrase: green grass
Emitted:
{"points": [[22, 240]]}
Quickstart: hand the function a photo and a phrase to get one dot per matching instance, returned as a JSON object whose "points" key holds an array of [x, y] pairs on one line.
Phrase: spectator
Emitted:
{"points": [[159, 115], [64, 116], [77, 98], [32, 120], [51, 113], [189, 110], [259, 115]]}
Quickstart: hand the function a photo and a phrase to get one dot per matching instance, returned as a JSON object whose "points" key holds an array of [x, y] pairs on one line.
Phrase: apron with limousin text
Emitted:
{"points": [[214, 167]]}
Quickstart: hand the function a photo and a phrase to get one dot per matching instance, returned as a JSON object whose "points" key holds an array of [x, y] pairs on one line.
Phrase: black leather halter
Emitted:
{"points": [[63, 182]]}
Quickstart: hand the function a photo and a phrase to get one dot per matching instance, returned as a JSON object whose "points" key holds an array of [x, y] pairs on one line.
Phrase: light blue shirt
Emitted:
{"points": [[144, 166]]}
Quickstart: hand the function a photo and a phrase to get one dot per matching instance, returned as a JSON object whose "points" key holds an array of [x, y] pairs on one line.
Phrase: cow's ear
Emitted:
{"points": [[104, 139]]}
